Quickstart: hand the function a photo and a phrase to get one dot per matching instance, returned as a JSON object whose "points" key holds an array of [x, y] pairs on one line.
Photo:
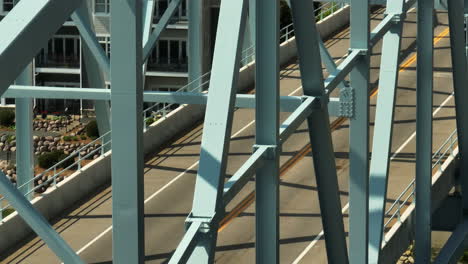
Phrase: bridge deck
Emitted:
{"points": [[170, 175]]}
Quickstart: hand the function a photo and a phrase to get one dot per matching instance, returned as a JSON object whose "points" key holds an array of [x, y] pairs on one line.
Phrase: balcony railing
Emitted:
{"points": [[57, 61]]}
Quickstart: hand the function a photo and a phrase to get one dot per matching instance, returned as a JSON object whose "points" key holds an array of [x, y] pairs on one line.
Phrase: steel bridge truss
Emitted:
{"points": [[35, 21]]}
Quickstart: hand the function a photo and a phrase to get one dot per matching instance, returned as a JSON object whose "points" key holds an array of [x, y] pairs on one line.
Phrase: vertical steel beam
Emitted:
{"points": [[424, 86], [383, 130], [359, 136], [195, 41], [127, 132], [37, 222], [267, 131], [460, 79], [24, 142], [93, 70], [208, 203], [320, 135]]}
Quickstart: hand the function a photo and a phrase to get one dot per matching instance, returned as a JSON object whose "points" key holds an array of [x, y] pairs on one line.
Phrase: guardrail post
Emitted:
{"points": [[79, 161]]}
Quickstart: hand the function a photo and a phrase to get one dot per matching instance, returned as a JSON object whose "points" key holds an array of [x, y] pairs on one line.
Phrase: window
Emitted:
{"points": [[179, 14], [102, 6], [61, 51], [9, 4], [169, 55]]}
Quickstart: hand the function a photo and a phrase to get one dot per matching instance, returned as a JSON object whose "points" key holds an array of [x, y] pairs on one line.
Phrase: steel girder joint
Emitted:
{"points": [[271, 153]]}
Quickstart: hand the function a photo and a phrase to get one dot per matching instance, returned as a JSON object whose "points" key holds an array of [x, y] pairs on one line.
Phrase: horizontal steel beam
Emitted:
{"points": [[336, 77], [243, 175], [296, 119], [45, 92], [287, 103], [27, 29]]}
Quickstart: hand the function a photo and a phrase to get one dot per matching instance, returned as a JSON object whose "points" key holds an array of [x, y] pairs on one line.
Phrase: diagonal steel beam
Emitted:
{"points": [[456, 245], [93, 68], [37, 222], [31, 21], [208, 203], [163, 22], [83, 22], [320, 135], [460, 79], [383, 129]]}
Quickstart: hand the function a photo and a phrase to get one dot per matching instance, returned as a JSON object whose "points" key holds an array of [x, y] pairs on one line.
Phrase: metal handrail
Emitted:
{"points": [[247, 56], [52, 179], [447, 148]]}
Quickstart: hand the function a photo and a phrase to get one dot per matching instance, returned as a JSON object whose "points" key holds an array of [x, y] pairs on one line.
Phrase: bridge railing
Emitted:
{"points": [[157, 111], [160, 110], [408, 195], [73, 162]]}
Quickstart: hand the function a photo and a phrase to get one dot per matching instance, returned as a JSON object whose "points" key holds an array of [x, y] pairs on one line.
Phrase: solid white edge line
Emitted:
{"points": [[82, 249]]}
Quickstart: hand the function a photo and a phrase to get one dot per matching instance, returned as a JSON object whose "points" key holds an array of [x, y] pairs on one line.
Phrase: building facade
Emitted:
{"points": [[60, 62]]}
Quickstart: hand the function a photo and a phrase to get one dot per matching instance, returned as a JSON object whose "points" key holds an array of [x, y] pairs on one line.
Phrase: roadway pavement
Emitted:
{"points": [[170, 176]]}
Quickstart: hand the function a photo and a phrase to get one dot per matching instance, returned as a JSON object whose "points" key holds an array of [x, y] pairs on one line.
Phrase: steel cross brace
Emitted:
{"points": [[219, 115], [243, 175], [31, 21], [320, 136], [380, 162]]}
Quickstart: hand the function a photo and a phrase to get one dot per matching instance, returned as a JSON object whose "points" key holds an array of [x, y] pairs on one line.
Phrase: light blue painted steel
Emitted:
{"points": [[24, 142], [85, 26], [244, 174], [319, 131], [23, 91], [163, 22], [383, 129], [460, 79], [37, 222], [127, 130], [267, 131], [31, 21], [424, 87], [92, 68], [182, 253], [209, 185], [195, 41], [458, 241], [359, 136], [289, 126], [335, 78], [328, 60]]}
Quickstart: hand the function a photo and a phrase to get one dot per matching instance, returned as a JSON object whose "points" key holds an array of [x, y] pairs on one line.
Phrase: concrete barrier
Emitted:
{"points": [[401, 234], [85, 181]]}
